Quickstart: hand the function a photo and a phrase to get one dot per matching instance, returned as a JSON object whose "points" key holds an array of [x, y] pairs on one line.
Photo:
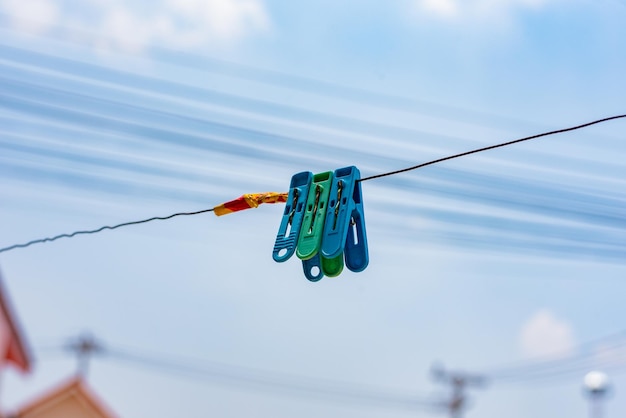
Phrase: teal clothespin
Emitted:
{"points": [[344, 230], [289, 230]]}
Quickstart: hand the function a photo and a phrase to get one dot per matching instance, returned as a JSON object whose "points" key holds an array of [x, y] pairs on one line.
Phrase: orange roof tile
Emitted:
{"points": [[75, 390]]}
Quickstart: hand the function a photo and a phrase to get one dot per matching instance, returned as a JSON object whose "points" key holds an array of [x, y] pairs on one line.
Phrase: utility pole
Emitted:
{"points": [[460, 382], [84, 347]]}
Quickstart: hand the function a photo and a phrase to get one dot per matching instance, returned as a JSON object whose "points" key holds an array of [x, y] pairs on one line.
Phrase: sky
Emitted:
{"points": [[115, 111]]}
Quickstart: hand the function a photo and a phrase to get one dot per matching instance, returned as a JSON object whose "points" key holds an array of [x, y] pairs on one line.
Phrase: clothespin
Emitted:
{"points": [[289, 230], [312, 229], [344, 229]]}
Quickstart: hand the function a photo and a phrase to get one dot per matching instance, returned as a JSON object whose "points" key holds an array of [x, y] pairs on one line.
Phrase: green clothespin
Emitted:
{"points": [[312, 229]]}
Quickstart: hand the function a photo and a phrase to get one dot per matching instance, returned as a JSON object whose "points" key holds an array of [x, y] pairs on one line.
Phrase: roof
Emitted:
{"points": [[17, 352], [70, 399]]}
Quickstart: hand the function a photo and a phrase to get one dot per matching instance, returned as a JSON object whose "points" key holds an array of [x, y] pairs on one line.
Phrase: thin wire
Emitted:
{"points": [[547, 370], [102, 228], [248, 378], [390, 173], [253, 379], [278, 383], [71, 35], [558, 359], [504, 144]]}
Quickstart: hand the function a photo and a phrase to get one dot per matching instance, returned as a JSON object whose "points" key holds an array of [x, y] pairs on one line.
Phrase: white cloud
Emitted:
{"points": [[134, 25], [476, 10], [31, 16], [226, 19], [545, 335], [443, 8]]}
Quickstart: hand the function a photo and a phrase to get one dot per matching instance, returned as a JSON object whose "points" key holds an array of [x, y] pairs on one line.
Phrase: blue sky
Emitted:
{"points": [[117, 111]]}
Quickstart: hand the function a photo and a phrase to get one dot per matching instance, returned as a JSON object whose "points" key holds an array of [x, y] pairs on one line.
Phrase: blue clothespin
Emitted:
{"points": [[344, 229], [289, 230]]}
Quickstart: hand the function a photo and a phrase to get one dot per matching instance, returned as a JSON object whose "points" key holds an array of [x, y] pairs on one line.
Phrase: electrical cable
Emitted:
{"points": [[548, 369], [89, 74], [266, 381], [558, 359], [607, 353], [248, 378], [390, 173], [184, 59]]}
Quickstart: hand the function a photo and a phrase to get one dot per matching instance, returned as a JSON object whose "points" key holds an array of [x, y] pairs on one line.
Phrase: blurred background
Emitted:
{"points": [[495, 282]]}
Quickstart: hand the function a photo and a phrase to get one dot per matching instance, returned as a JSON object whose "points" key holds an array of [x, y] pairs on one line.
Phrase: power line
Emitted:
{"points": [[390, 173], [282, 384], [95, 74], [613, 361], [559, 366], [184, 59], [248, 378], [558, 359], [538, 371]]}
